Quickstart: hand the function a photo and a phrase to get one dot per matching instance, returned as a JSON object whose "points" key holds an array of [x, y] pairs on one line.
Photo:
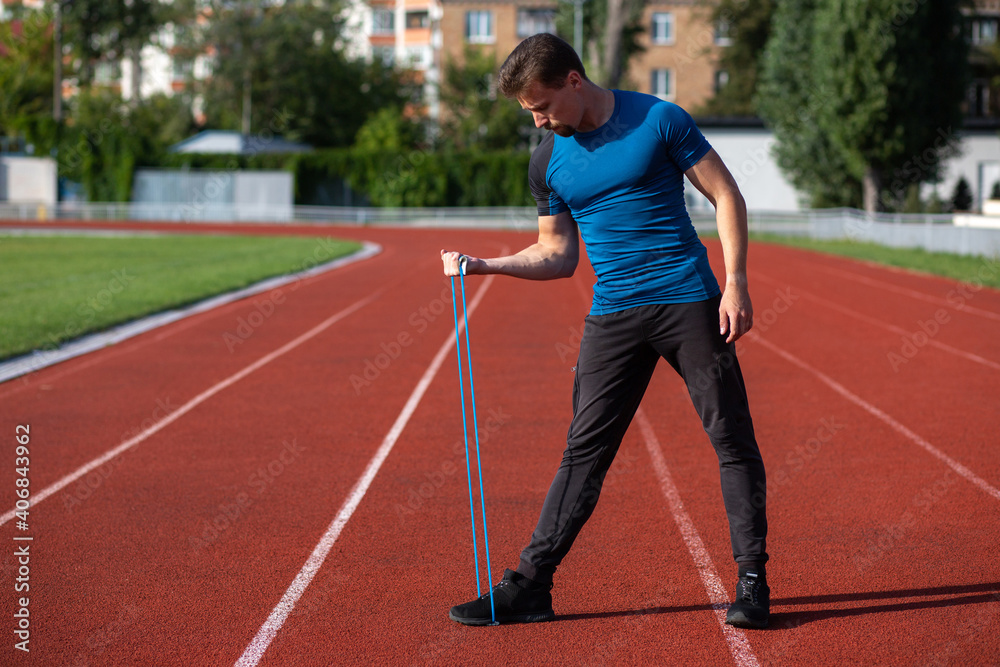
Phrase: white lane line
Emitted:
{"points": [[193, 403], [923, 296], [737, 640], [254, 652], [871, 409], [879, 323]]}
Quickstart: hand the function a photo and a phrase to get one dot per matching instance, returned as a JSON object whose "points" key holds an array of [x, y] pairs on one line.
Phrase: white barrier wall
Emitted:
{"points": [[212, 195], [747, 153], [28, 180]]}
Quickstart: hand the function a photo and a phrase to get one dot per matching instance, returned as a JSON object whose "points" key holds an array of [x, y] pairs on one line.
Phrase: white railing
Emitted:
{"points": [[935, 233]]}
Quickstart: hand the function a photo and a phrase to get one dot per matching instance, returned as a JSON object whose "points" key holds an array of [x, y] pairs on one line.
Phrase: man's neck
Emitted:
{"points": [[600, 106]]}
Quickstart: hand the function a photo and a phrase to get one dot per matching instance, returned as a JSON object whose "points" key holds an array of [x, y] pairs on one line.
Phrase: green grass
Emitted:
{"points": [[54, 289], [960, 267]]}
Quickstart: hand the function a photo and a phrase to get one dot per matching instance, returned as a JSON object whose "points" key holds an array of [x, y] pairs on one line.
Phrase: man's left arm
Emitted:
{"points": [[713, 180]]}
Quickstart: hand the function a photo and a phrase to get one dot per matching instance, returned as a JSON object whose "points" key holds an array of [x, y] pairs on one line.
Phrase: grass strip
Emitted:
{"points": [[54, 289], [965, 268]]}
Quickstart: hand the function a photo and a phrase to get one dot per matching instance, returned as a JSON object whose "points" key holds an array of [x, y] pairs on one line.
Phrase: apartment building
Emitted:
{"points": [[679, 61], [983, 32], [6, 5], [681, 53]]}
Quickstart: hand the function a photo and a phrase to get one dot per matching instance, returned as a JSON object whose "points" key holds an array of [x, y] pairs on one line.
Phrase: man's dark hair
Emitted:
{"points": [[543, 58]]}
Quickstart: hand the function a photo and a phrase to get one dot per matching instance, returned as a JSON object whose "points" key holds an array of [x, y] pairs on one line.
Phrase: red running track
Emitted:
{"points": [[874, 397]]}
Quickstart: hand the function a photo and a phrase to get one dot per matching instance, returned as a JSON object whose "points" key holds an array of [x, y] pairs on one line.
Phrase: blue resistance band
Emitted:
{"points": [[465, 432]]}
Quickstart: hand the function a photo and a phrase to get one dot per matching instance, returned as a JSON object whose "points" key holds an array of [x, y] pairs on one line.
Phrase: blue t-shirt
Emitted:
{"points": [[623, 183]]}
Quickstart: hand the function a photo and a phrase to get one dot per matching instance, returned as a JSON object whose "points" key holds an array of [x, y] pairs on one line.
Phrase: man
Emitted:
{"points": [[613, 168]]}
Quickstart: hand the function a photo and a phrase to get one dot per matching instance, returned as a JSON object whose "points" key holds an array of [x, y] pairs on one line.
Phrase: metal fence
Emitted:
{"points": [[935, 233]]}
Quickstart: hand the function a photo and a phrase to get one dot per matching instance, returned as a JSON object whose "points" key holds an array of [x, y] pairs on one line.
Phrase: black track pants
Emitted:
{"points": [[617, 356]]}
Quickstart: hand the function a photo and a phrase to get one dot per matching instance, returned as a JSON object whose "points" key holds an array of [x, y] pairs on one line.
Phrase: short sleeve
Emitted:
{"points": [[684, 141], [549, 203]]}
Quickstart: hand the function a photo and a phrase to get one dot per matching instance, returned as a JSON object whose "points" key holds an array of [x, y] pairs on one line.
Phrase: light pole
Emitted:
{"points": [[57, 63], [578, 27]]}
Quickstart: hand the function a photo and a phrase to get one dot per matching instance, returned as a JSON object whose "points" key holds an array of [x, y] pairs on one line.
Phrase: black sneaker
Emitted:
{"points": [[752, 607], [516, 599]]}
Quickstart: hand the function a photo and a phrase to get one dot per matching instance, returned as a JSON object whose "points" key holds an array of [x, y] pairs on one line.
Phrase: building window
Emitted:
{"points": [[419, 57], [479, 27], [662, 84], [107, 73], [418, 20], [663, 28], [979, 98], [534, 21], [384, 54], [984, 30], [722, 37], [182, 69], [721, 79], [383, 22]]}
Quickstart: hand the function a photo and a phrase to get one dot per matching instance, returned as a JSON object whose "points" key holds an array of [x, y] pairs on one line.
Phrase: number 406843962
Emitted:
{"points": [[22, 434]]}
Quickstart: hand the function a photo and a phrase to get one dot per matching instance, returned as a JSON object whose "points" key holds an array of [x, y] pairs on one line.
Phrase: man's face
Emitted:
{"points": [[556, 109]]}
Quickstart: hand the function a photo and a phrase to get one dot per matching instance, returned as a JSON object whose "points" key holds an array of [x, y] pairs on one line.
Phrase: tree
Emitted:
{"points": [[621, 31], [111, 31], [611, 30], [26, 80], [877, 87], [474, 114], [789, 101], [280, 65], [106, 139], [389, 129], [749, 26], [961, 198], [897, 74]]}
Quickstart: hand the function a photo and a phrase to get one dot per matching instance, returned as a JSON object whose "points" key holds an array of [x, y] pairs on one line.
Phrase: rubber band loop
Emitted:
{"points": [[479, 461], [465, 433]]}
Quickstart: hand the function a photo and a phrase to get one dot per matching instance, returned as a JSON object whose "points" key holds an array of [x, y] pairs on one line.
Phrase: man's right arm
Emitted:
{"points": [[554, 255]]}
